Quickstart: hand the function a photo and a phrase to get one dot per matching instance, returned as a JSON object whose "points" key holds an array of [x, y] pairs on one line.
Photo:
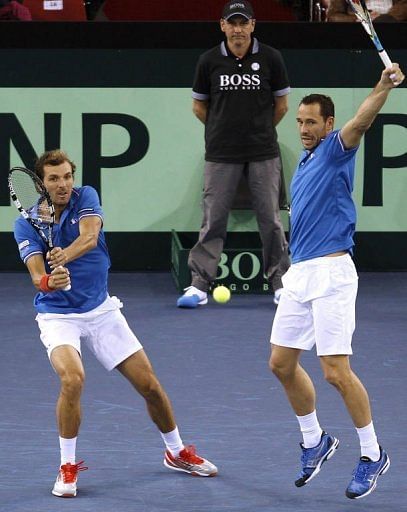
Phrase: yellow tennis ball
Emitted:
{"points": [[221, 294]]}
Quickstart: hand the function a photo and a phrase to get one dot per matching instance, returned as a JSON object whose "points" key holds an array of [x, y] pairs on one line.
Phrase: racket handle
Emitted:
{"points": [[386, 59], [68, 286], [387, 63]]}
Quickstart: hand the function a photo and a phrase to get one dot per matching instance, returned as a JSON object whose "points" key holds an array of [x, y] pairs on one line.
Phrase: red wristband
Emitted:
{"points": [[44, 287]]}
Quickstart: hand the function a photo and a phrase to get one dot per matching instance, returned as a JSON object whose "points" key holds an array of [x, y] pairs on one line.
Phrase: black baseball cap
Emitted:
{"points": [[238, 8]]}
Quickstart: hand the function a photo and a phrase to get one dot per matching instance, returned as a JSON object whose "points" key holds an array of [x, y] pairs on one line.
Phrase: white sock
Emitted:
{"points": [[68, 450], [369, 447], [311, 431], [173, 441]]}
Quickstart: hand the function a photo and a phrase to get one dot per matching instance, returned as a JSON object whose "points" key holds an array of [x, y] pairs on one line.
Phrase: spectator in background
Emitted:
{"points": [[92, 7], [240, 94], [303, 10], [380, 10], [12, 10]]}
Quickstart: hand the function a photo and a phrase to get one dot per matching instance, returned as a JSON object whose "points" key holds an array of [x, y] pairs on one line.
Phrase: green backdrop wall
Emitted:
{"points": [[124, 115]]}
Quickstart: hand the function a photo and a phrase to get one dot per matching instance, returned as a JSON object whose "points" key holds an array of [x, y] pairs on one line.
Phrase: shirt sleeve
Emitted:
{"points": [[89, 203], [280, 84], [28, 241], [339, 152], [201, 88]]}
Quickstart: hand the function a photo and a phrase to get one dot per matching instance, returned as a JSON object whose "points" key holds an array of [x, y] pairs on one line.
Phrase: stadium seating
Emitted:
{"points": [[183, 10], [56, 10]]}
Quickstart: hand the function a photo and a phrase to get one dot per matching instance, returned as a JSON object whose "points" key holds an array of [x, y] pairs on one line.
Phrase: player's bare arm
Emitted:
{"points": [[89, 228], [280, 108], [58, 279], [354, 129], [200, 109]]}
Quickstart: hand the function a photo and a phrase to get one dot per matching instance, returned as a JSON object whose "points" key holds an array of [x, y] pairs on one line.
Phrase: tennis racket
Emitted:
{"points": [[363, 15], [33, 202]]}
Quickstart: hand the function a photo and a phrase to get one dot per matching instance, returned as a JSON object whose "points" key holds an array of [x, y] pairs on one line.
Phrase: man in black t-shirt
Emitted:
{"points": [[240, 93]]}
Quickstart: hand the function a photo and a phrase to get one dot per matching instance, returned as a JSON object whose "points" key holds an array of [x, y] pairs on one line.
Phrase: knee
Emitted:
{"points": [[151, 390], [72, 383], [336, 378], [280, 368]]}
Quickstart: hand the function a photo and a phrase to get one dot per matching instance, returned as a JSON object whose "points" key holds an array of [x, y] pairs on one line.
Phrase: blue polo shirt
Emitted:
{"points": [[89, 273], [323, 214]]}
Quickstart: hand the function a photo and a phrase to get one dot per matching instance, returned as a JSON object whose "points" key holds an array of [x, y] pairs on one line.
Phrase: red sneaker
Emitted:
{"points": [[189, 462], [65, 484]]}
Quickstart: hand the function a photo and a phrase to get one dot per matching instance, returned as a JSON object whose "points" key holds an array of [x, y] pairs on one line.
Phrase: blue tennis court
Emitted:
{"points": [[213, 362]]}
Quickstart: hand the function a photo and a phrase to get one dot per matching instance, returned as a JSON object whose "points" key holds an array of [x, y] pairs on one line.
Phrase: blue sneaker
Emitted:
{"points": [[192, 298], [365, 476], [313, 458]]}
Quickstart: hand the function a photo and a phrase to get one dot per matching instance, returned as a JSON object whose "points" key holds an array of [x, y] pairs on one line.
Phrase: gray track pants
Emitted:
{"points": [[220, 185]]}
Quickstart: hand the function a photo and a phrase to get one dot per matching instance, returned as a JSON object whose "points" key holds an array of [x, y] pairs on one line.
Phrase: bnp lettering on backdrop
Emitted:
{"points": [[13, 133], [375, 161]]}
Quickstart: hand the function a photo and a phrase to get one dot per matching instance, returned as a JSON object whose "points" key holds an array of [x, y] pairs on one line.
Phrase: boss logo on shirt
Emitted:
{"points": [[74, 221], [236, 81]]}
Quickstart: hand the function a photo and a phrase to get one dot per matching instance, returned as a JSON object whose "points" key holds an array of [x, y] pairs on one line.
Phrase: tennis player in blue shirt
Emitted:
{"points": [[86, 312], [317, 305]]}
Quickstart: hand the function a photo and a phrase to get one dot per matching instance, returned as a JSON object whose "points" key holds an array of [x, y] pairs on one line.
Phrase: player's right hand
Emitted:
{"points": [[393, 76], [59, 278]]}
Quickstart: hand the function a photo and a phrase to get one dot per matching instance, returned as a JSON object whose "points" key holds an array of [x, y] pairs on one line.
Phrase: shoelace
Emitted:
{"points": [[70, 471], [188, 454], [362, 470]]}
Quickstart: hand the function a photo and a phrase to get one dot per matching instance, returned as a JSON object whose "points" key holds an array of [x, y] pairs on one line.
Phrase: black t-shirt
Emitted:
{"points": [[240, 93]]}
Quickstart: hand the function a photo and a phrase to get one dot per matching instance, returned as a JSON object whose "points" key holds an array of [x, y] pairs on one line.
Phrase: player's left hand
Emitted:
{"points": [[393, 76], [59, 278], [56, 258]]}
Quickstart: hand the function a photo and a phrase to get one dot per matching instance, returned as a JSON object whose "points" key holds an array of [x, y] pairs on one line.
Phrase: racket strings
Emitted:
{"points": [[31, 198], [44, 213]]}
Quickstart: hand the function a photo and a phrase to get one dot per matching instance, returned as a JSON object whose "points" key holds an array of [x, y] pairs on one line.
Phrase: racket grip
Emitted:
{"points": [[386, 59], [68, 286], [387, 63]]}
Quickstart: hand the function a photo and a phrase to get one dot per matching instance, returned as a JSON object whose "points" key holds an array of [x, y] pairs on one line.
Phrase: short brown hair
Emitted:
{"points": [[53, 157], [326, 105]]}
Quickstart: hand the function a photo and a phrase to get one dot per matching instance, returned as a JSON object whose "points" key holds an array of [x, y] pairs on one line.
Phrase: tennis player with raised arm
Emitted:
{"points": [[317, 305], [88, 313]]}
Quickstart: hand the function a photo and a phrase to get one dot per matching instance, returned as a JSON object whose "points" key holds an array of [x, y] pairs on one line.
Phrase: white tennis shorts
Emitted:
{"points": [[317, 306], [104, 330]]}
